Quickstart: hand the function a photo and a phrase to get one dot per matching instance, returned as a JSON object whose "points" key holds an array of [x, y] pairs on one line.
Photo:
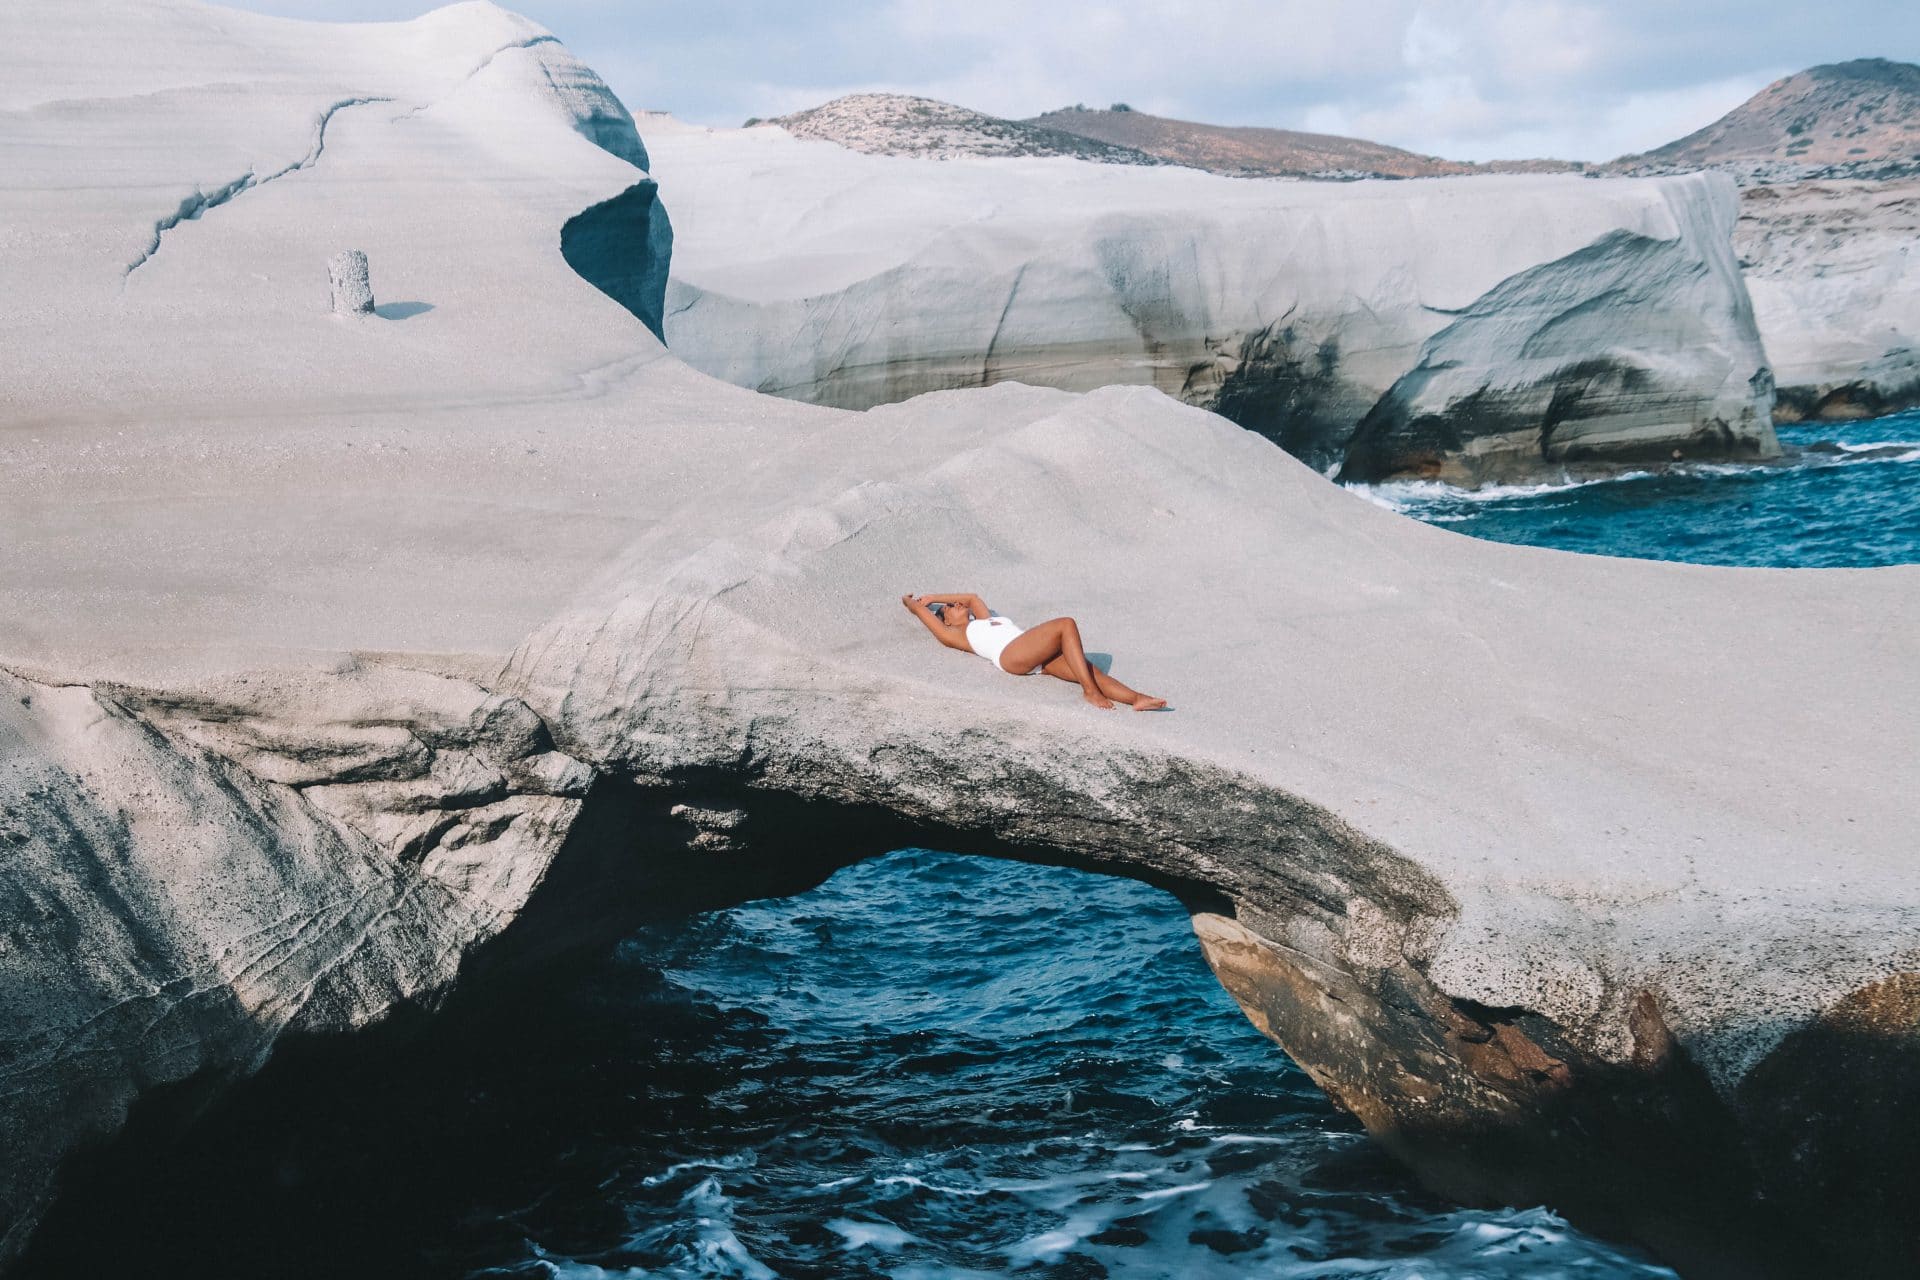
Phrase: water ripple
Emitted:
{"points": [[1047, 1082]]}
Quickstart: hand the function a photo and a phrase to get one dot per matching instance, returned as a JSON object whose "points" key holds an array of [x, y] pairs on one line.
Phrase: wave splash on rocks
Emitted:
{"points": [[1842, 497]]}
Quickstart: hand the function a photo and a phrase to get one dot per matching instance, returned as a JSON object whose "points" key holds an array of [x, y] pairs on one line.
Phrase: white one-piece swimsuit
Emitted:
{"points": [[989, 637]]}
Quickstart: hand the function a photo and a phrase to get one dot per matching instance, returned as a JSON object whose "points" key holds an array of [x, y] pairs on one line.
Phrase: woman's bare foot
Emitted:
{"points": [[1099, 700], [1144, 703]]}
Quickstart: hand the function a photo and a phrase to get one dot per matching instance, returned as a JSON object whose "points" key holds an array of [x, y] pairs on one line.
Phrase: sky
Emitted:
{"points": [[1465, 79]]}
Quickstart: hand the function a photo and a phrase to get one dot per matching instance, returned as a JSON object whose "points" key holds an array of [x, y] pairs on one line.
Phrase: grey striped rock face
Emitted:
{"points": [[1483, 328]]}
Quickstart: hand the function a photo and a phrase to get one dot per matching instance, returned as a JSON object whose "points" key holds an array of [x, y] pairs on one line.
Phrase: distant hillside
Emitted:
{"points": [[898, 125], [1852, 117], [1858, 119], [1246, 150]]}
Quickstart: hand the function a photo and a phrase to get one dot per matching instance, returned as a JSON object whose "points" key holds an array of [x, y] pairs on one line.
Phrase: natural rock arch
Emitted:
{"points": [[1315, 929]]}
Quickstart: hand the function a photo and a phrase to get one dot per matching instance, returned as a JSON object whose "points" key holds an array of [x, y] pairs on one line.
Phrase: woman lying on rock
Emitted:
{"points": [[965, 623]]}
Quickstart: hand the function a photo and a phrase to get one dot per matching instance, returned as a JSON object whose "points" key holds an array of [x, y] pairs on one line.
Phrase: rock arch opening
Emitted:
{"points": [[929, 1059]]}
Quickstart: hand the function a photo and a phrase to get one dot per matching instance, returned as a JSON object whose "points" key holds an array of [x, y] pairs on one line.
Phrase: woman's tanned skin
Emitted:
{"points": [[1053, 647]]}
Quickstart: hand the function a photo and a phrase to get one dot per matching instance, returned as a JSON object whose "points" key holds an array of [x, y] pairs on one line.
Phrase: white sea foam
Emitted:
{"points": [[1883, 444], [875, 1235], [715, 1250], [744, 1160], [566, 1269], [838, 1183], [1439, 503], [1404, 496], [908, 1180], [1167, 1193], [1050, 1245]]}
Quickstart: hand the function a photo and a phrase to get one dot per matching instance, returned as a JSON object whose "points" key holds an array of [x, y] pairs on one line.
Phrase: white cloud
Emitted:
{"points": [[1475, 79], [1447, 116]]}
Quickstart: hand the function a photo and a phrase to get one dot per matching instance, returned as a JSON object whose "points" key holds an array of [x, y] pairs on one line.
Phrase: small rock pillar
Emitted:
{"points": [[352, 289]]}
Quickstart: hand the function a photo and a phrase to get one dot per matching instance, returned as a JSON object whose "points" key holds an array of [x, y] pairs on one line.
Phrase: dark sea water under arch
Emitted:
{"points": [[941, 1066]]}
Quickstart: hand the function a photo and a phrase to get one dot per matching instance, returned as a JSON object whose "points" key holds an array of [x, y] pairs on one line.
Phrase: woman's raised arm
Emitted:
{"points": [[946, 635], [967, 598]]}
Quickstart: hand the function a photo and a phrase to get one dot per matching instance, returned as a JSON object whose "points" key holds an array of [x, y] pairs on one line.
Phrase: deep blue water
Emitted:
{"points": [[944, 1066], [1848, 495]]}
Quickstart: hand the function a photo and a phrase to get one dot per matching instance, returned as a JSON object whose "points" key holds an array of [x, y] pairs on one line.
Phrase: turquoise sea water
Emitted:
{"points": [[1846, 495], [931, 1065]]}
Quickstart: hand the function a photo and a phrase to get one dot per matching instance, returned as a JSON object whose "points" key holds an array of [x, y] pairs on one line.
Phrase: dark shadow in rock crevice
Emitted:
{"points": [[622, 247]]}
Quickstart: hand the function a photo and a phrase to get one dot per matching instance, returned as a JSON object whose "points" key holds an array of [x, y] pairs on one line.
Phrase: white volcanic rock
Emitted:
{"points": [[342, 659], [161, 225], [808, 271], [1542, 369], [1834, 270]]}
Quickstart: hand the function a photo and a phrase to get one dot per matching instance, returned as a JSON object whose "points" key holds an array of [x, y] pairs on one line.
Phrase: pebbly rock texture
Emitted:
{"points": [[1858, 119], [894, 124], [1258, 152], [391, 656], [352, 288], [188, 881], [1297, 309]]}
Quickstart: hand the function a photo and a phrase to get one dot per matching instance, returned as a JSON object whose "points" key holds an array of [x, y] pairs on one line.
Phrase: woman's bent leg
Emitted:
{"points": [[1057, 638], [1119, 692]]}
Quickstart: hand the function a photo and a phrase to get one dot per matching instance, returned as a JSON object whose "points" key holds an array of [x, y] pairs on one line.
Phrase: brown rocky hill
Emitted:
{"points": [[903, 125], [1238, 149], [1858, 115], [897, 124], [1254, 151]]}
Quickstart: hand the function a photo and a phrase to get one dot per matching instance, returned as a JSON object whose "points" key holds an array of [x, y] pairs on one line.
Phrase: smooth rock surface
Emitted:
{"points": [[810, 271], [341, 659]]}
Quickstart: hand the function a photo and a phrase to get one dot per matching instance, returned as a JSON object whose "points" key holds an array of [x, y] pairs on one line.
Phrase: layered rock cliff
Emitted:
{"points": [[1579, 323], [348, 658], [1829, 163], [1835, 280]]}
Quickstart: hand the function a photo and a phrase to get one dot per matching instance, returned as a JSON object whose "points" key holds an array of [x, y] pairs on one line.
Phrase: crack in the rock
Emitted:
{"points": [[993, 343], [477, 68], [194, 206]]}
